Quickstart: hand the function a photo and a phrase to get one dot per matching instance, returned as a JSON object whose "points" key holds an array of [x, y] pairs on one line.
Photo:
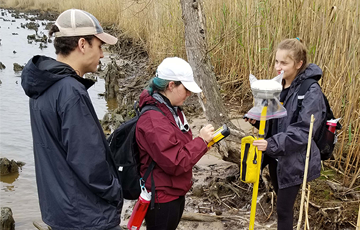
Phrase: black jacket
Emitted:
{"points": [[76, 178], [290, 143]]}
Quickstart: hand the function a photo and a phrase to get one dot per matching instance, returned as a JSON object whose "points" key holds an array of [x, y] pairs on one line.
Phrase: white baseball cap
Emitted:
{"points": [[177, 69], [76, 22]]}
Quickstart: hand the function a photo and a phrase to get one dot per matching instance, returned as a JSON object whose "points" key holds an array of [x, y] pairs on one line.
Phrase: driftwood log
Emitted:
{"points": [[40, 227]]}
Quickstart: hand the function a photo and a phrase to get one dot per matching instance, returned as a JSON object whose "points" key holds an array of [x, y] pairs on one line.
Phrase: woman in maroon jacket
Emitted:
{"points": [[167, 139]]}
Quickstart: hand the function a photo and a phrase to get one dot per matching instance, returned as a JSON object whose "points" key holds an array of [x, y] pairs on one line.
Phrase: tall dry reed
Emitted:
{"points": [[241, 38]]}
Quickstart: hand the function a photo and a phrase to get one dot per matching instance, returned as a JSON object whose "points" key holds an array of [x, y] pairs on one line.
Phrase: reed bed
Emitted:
{"points": [[241, 38]]}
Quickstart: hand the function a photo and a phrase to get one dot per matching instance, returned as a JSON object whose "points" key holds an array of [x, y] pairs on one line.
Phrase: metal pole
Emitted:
{"points": [[256, 184]]}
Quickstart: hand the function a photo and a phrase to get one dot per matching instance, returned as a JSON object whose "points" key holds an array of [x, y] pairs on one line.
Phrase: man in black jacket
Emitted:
{"points": [[76, 177]]}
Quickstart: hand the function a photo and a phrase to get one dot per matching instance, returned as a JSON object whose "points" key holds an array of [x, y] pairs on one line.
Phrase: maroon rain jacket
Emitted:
{"points": [[175, 152]]}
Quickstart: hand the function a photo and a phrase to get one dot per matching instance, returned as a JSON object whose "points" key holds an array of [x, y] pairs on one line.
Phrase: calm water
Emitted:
{"points": [[19, 191]]}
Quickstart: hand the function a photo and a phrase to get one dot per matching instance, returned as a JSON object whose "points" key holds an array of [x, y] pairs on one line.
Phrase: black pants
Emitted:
{"points": [[285, 200], [165, 216], [116, 228]]}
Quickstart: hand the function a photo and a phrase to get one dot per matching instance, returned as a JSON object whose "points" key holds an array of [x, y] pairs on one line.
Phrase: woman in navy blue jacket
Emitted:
{"points": [[286, 142]]}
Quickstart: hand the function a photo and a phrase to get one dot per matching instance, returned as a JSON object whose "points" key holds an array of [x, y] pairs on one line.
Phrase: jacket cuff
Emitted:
{"points": [[203, 141], [270, 149]]}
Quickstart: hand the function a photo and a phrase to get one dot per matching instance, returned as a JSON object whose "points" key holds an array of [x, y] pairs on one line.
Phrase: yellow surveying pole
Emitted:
{"points": [[256, 184]]}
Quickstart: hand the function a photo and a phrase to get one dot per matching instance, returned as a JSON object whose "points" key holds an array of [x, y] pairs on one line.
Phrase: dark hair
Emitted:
{"points": [[159, 85], [65, 45], [297, 50]]}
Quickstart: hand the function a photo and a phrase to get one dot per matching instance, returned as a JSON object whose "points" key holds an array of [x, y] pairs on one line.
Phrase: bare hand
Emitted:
{"points": [[261, 144], [251, 121], [207, 133]]}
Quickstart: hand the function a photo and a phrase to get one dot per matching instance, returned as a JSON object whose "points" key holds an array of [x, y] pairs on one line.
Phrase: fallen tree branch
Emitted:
{"points": [[338, 188], [210, 218], [38, 226], [314, 205]]}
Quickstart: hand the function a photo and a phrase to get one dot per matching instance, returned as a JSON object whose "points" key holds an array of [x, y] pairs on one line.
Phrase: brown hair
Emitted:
{"points": [[65, 45], [298, 51]]}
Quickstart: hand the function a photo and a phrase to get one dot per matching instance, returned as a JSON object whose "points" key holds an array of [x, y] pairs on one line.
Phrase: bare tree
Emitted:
{"points": [[210, 99]]}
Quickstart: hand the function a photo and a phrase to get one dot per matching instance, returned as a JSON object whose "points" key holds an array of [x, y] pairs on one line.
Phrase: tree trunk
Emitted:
{"points": [[210, 99]]}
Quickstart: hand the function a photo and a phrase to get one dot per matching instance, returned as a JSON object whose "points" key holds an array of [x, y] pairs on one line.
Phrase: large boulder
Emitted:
{"points": [[7, 220]]}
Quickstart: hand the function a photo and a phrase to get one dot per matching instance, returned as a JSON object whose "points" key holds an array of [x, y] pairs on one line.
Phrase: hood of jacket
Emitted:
{"points": [[146, 99], [311, 71], [41, 72]]}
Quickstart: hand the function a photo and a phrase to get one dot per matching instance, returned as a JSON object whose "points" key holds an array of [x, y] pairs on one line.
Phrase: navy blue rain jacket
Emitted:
{"points": [[76, 178], [289, 145]]}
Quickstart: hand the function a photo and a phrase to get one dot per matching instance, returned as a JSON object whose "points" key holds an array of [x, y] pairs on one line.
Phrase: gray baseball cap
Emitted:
{"points": [[74, 22]]}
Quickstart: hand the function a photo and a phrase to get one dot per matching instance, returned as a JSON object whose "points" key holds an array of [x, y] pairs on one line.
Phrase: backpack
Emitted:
{"points": [[324, 139], [249, 162], [126, 155]]}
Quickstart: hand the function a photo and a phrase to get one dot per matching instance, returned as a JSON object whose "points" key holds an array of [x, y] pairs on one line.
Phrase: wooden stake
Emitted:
{"points": [[358, 222], [305, 171], [307, 225]]}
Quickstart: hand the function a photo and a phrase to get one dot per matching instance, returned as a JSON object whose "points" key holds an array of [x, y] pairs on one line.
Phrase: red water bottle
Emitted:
{"points": [[332, 125], [139, 210]]}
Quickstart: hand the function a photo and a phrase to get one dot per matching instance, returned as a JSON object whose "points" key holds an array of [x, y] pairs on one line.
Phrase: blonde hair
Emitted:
{"points": [[298, 51]]}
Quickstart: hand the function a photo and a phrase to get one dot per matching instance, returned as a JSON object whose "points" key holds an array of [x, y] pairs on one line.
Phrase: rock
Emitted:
{"points": [[49, 25], [7, 167], [7, 220], [32, 26], [218, 212], [17, 67], [41, 46], [198, 191], [31, 37], [2, 66], [44, 38]]}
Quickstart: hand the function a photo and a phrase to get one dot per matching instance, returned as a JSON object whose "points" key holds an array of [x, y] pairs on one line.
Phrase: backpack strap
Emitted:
{"points": [[150, 107], [152, 164], [304, 87], [146, 175]]}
